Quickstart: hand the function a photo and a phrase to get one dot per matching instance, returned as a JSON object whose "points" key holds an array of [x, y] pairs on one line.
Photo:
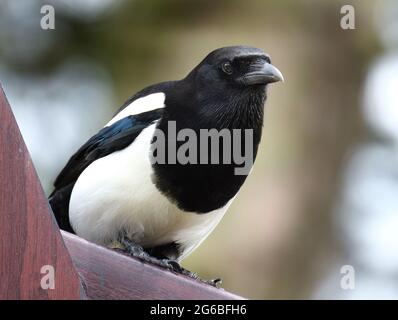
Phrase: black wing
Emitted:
{"points": [[113, 138]]}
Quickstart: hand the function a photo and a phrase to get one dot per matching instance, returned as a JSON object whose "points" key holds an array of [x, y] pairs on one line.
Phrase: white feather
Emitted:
{"points": [[116, 193], [150, 102]]}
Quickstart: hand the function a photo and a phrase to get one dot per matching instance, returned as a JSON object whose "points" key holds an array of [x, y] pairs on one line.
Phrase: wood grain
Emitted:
{"points": [[29, 235], [111, 275]]}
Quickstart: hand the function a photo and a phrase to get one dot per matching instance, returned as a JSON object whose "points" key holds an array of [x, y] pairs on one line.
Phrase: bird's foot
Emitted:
{"points": [[176, 267], [137, 251]]}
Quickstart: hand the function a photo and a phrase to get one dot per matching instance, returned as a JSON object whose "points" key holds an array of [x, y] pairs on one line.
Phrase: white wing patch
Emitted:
{"points": [[150, 102]]}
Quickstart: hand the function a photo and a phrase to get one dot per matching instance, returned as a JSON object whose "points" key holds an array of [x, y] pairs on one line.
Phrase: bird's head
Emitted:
{"points": [[235, 69]]}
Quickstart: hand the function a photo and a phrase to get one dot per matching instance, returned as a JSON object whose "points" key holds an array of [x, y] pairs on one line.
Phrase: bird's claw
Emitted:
{"points": [[215, 282], [176, 267]]}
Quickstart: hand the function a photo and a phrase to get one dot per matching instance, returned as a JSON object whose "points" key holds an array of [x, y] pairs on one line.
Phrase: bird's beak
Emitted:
{"points": [[264, 75]]}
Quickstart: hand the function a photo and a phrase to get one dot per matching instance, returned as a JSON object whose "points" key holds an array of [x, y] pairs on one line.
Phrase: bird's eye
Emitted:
{"points": [[227, 67], [268, 59]]}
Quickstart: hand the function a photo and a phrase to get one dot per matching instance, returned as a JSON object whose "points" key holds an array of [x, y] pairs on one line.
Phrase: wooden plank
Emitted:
{"points": [[30, 238], [111, 275]]}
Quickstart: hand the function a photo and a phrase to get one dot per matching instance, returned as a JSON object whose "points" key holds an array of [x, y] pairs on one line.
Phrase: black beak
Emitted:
{"points": [[264, 75]]}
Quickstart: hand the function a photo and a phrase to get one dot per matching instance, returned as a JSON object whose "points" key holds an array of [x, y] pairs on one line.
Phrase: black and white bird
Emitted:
{"points": [[110, 190]]}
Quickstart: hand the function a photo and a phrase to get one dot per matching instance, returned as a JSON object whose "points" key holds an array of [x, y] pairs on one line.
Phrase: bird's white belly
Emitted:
{"points": [[116, 194]]}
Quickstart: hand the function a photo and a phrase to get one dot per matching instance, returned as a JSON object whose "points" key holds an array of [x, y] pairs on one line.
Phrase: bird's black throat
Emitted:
{"points": [[202, 188]]}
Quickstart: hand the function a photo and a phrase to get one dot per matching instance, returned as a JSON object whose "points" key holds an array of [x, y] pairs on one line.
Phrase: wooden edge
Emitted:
{"points": [[110, 275], [34, 262]]}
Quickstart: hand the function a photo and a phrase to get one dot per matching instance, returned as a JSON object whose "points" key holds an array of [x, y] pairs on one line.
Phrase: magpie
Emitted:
{"points": [[111, 193]]}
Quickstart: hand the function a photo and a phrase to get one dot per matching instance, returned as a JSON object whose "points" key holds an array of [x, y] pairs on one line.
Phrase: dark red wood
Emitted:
{"points": [[111, 275], [29, 235]]}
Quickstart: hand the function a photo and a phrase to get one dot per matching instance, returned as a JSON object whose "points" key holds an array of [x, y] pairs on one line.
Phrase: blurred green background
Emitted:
{"points": [[284, 236]]}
